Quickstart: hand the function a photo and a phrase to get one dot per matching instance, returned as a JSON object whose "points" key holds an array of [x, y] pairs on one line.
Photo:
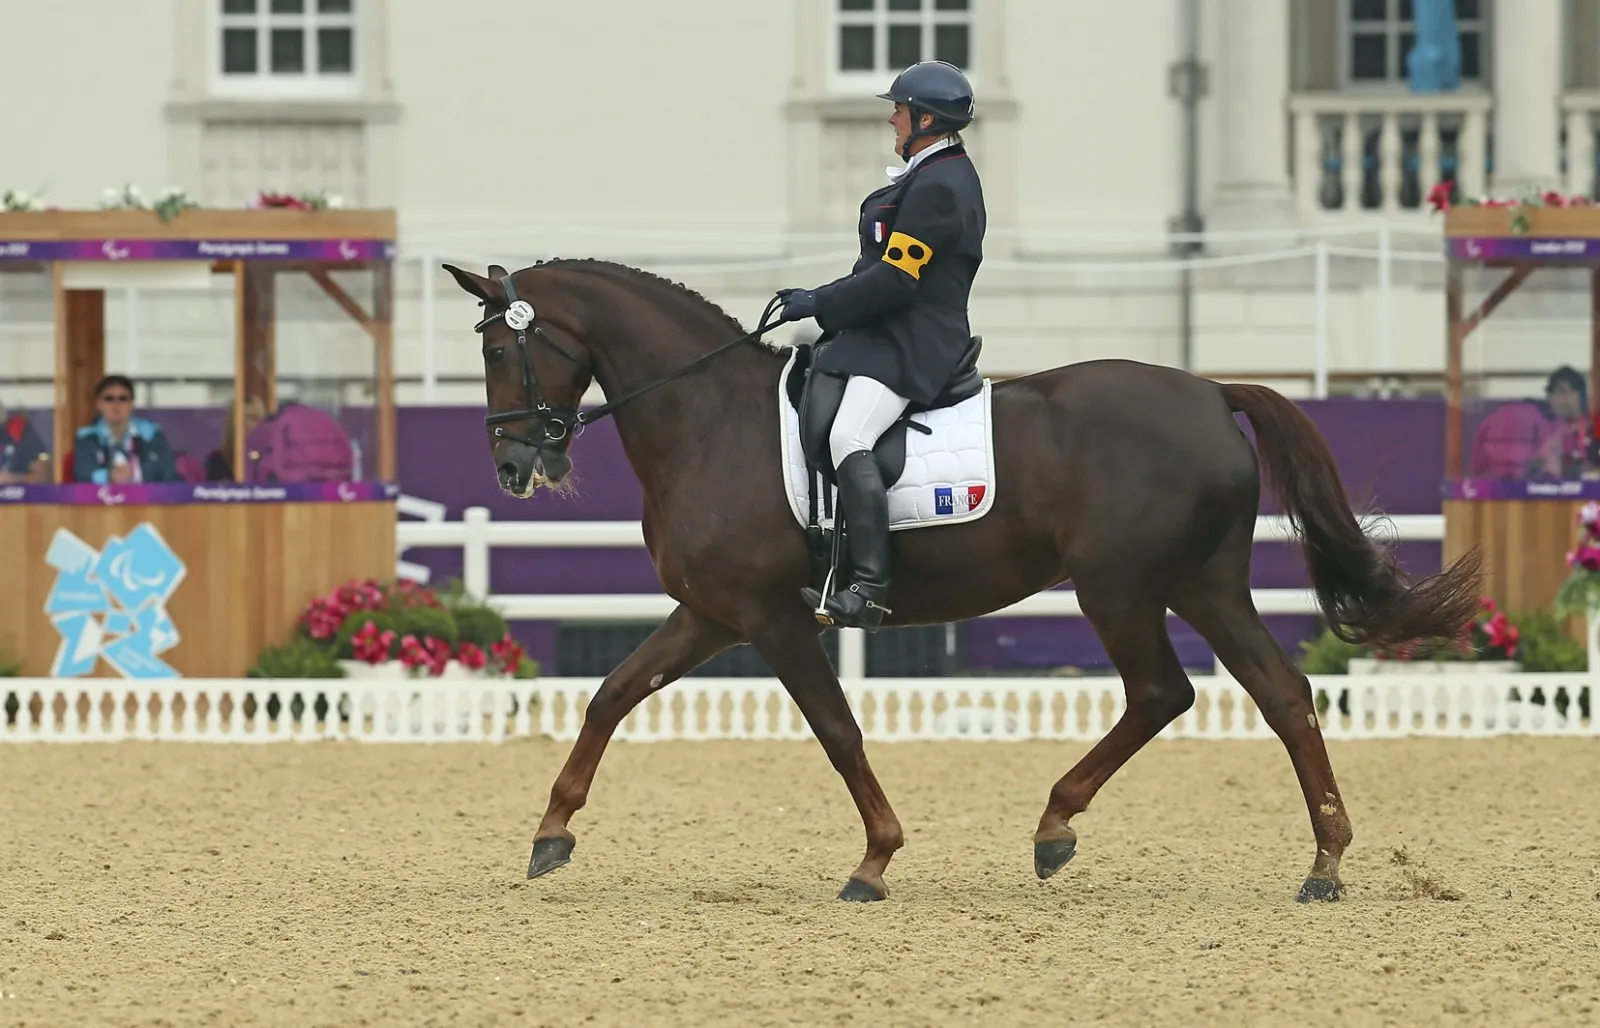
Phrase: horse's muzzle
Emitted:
{"points": [[526, 469]]}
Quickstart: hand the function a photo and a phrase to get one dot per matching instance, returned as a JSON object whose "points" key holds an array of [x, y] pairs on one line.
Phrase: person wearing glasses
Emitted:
{"points": [[119, 447]]}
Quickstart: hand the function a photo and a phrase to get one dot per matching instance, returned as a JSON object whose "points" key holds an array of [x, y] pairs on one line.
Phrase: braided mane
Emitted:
{"points": [[596, 264]]}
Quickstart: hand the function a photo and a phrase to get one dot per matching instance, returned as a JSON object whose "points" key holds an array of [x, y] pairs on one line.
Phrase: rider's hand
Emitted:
{"points": [[798, 304]]}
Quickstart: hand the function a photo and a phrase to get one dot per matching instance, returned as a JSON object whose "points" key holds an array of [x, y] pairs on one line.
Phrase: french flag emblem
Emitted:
{"points": [[877, 231], [958, 500]]}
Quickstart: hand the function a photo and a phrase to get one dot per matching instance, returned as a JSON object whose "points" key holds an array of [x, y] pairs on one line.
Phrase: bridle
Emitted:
{"points": [[555, 421]]}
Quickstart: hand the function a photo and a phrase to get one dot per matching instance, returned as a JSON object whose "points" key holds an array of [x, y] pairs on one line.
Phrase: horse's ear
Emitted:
{"points": [[477, 285], [496, 271]]}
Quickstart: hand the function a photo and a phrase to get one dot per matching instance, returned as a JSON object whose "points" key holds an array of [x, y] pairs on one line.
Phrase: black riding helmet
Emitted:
{"points": [[937, 88]]}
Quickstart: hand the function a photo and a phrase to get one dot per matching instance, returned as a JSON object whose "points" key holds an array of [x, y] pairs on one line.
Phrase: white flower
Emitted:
{"points": [[17, 200], [335, 200]]}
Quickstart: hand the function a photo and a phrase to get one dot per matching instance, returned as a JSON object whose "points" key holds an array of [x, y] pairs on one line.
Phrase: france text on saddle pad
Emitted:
{"points": [[948, 477]]}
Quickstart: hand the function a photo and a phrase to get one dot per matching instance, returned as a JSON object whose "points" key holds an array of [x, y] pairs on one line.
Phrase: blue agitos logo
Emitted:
{"points": [[111, 604]]}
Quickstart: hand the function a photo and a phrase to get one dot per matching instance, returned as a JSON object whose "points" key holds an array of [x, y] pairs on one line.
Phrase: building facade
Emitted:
{"points": [[728, 143]]}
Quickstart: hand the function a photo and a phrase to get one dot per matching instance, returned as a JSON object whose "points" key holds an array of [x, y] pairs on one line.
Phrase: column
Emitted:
{"points": [[1526, 51], [1251, 87]]}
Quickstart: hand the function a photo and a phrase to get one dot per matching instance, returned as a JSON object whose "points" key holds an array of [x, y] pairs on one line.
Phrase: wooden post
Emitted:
{"points": [[1594, 346], [383, 352], [80, 363], [1455, 343], [255, 364]]}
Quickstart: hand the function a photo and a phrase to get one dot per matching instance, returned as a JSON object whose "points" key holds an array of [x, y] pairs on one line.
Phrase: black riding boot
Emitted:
{"points": [[865, 505]]}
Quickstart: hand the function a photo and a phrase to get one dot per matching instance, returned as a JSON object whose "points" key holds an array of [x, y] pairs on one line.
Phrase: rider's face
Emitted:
{"points": [[901, 120]]}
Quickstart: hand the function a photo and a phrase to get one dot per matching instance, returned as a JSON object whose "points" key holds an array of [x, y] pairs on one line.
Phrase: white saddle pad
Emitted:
{"points": [[949, 475]]}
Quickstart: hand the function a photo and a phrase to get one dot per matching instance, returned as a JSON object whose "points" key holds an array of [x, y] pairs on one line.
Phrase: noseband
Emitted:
{"points": [[556, 422]]}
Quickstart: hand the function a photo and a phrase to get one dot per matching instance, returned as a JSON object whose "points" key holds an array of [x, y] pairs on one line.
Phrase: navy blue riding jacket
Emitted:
{"points": [[900, 316]]}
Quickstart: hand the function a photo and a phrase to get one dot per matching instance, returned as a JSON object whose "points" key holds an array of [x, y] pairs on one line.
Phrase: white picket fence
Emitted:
{"points": [[1456, 703], [476, 535], [888, 709]]}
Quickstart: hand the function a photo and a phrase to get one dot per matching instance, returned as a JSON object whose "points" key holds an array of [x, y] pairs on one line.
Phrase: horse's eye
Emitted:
{"points": [[493, 356]]}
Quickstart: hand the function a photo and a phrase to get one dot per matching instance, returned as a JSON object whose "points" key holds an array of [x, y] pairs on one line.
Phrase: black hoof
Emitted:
{"points": [[857, 891], [1323, 890], [549, 854], [1050, 857]]}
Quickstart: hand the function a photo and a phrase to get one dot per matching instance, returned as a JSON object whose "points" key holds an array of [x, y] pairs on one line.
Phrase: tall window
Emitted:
{"points": [[283, 42], [884, 36], [1379, 35]]}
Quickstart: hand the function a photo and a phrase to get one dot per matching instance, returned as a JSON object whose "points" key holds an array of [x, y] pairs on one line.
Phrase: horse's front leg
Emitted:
{"points": [[793, 649], [684, 641]]}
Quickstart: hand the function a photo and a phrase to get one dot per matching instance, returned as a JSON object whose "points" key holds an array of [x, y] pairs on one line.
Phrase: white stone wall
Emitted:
{"points": [[714, 141]]}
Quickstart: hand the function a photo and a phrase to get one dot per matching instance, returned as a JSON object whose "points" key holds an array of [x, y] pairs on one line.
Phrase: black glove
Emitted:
{"points": [[798, 304]]}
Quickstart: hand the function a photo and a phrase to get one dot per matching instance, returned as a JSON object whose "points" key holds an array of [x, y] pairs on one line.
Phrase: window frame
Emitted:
{"points": [[263, 83], [880, 17], [1393, 29]]}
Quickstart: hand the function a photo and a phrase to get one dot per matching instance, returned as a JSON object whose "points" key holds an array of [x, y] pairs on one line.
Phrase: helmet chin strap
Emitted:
{"points": [[917, 133]]}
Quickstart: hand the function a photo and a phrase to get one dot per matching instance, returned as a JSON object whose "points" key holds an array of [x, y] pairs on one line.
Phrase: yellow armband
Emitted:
{"points": [[907, 253]]}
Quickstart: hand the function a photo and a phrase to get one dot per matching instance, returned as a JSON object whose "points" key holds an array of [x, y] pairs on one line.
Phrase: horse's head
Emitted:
{"points": [[534, 383]]}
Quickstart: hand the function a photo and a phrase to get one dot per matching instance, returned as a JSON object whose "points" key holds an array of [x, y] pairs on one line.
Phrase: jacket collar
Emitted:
{"points": [[942, 148]]}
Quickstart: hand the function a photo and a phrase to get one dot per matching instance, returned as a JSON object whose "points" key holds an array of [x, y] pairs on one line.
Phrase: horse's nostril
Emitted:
{"points": [[508, 471]]}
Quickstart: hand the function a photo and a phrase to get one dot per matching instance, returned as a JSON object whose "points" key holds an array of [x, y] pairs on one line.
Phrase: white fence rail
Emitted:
{"points": [[888, 709], [476, 535]]}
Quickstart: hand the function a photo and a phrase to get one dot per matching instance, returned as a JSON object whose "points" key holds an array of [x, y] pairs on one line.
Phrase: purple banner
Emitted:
{"points": [[1511, 248], [207, 492], [1516, 489], [330, 250]]}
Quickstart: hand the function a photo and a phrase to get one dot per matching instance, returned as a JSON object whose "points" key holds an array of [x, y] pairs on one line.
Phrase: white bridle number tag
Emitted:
{"points": [[519, 315]]}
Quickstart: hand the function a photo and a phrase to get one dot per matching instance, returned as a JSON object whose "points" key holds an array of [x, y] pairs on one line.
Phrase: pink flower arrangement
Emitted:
{"points": [[304, 202], [1580, 593], [1440, 198], [412, 639]]}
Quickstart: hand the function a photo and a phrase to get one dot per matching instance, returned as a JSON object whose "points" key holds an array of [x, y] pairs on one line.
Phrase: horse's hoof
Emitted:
{"points": [[857, 891], [1052, 855], [1323, 890], [549, 854]]}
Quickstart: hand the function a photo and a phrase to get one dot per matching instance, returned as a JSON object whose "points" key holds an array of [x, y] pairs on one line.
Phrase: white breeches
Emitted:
{"points": [[868, 409]]}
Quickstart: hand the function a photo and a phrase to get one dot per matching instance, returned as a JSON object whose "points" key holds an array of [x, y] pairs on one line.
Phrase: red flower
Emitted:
{"points": [[1439, 196], [471, 656], [507, 653], [370, 645], [430, 653]]}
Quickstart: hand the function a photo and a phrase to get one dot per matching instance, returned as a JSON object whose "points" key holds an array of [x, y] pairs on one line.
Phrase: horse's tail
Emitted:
{"points": [[1360, 587]]}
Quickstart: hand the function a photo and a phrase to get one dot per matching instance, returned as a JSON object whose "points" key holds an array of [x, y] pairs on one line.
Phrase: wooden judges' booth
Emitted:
{"points": [[193, 577], [1514, 479]]}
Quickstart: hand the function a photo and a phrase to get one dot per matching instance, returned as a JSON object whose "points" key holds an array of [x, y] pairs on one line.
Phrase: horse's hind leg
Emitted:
{"points": [[1158, 691], [1227, 618], [681, 643]]}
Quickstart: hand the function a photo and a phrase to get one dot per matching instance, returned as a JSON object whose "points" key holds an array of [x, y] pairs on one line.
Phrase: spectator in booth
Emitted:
{"points": [[1548, 439], [219, 462], [24, 457], [119, 446]]}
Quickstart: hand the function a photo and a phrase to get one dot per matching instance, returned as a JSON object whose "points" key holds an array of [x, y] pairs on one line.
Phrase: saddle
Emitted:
{"points": [[817, 397]]}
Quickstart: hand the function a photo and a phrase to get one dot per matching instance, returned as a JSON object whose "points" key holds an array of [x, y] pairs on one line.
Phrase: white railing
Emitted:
{"points": [[695, 708], [1578, 110], [1382, 706], [1304, 251], [476, 535], [1331, 132]]}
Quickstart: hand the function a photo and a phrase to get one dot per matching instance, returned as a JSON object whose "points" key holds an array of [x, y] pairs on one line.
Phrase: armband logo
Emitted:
{"points": [[907, 253]]}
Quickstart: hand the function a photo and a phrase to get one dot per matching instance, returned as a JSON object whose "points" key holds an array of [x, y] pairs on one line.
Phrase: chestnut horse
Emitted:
{"points": [[1132, 480]]}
